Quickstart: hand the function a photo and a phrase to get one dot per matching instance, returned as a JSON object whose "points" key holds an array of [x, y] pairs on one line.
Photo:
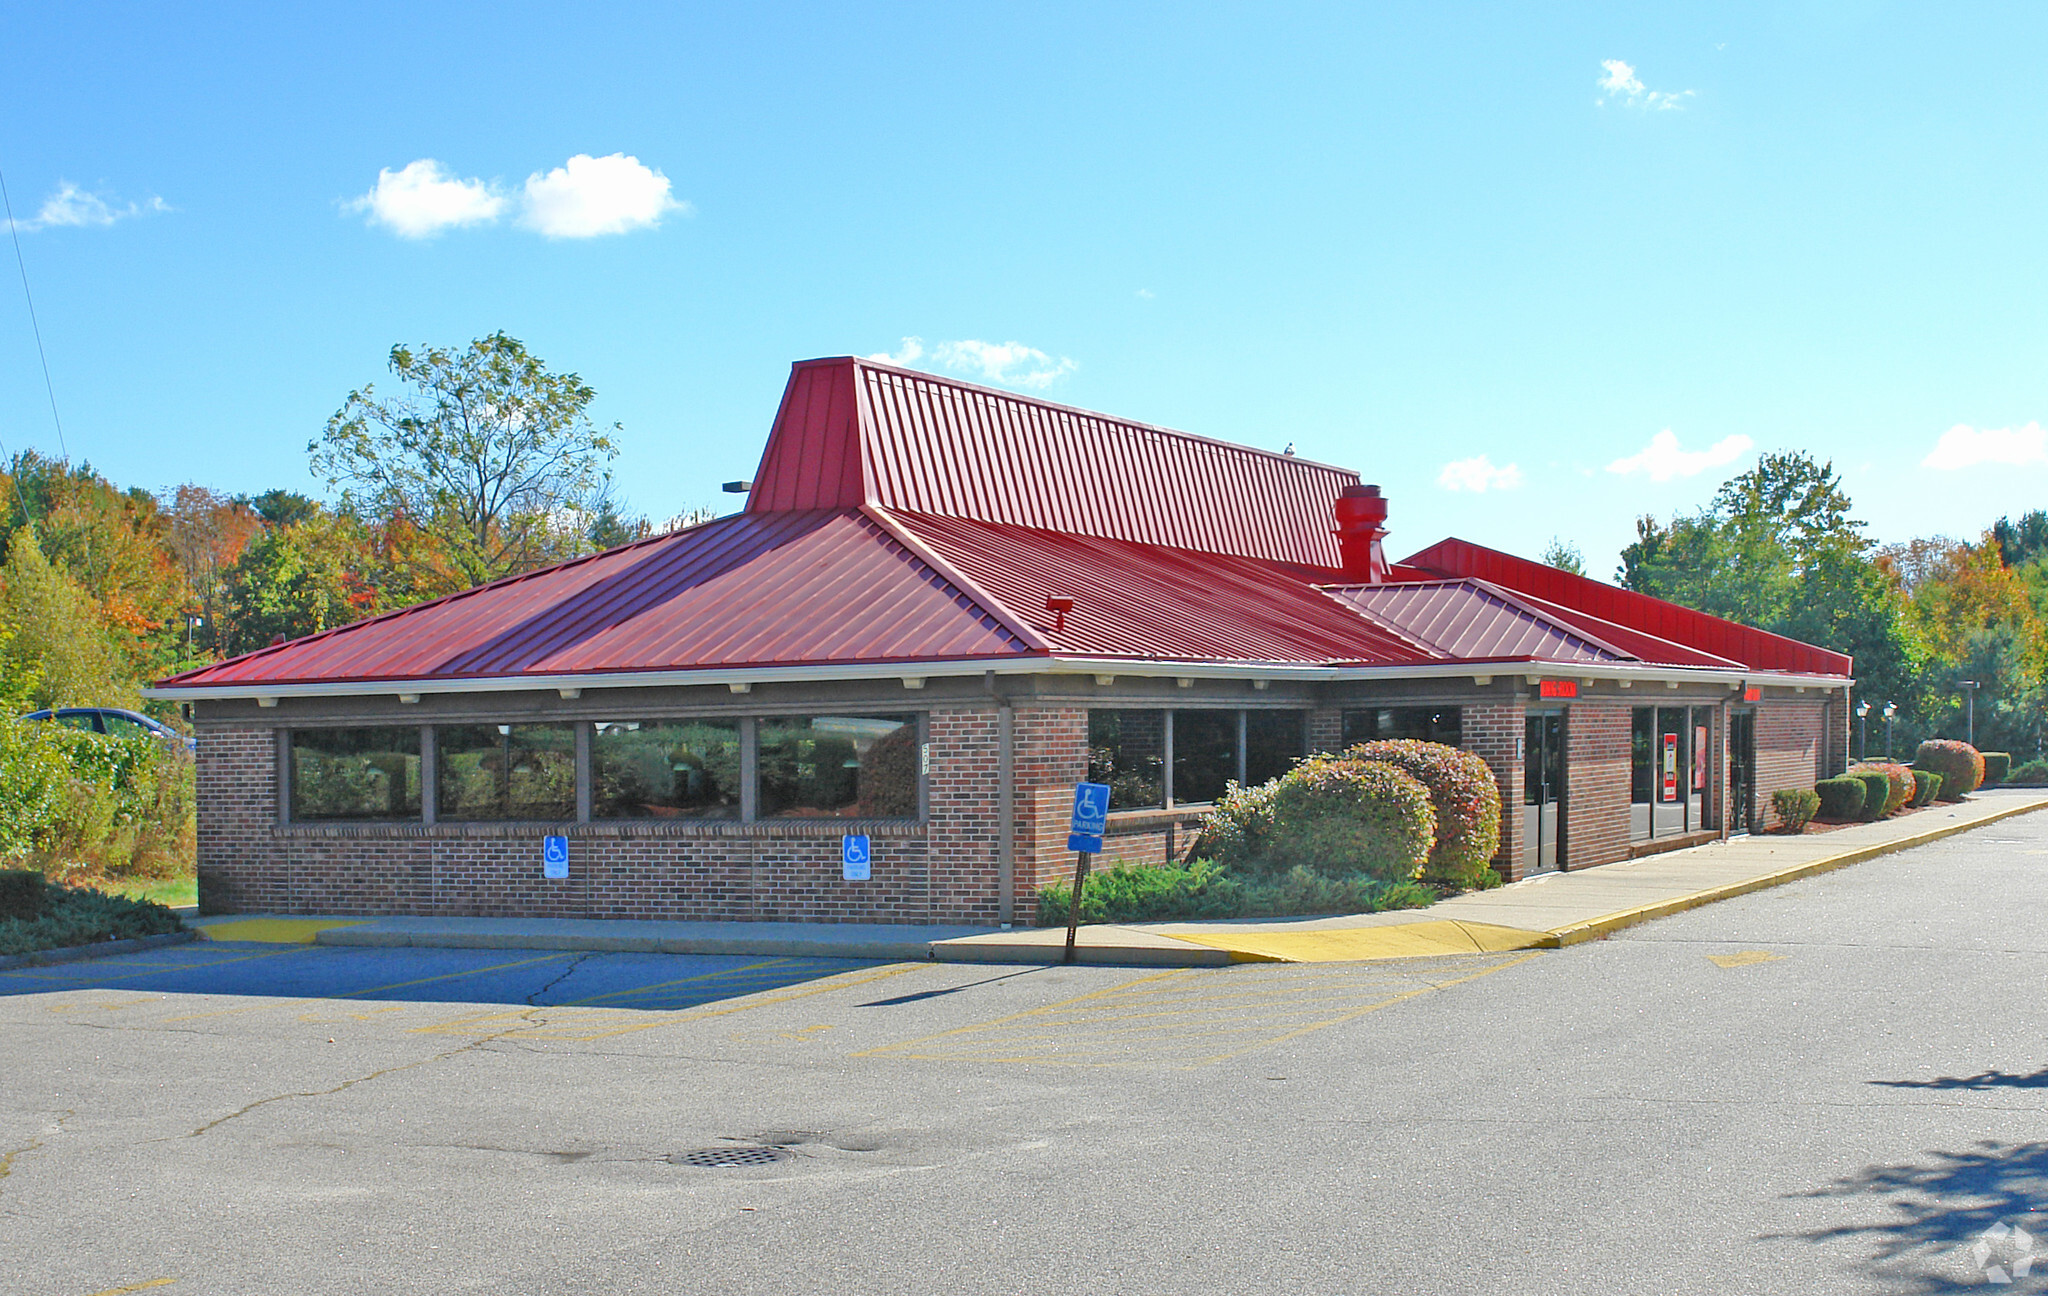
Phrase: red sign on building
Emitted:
{"points": [[1752, 695], [1671, 767], [1558, 689]]}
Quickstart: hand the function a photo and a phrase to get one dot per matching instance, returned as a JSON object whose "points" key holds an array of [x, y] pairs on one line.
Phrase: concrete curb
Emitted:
{"points": [[891, 951], [1606, 924], [1095, 955], [79, 953]]}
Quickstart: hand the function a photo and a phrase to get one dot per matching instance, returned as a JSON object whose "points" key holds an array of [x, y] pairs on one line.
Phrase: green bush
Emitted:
{"points": [[1465, 799], [1340, 817], [80, 916], [1960, 765], [1795, 807], [22, 893], [1202, 889], [85, 805], [2032, 774], [1877, 791], [1901, 779], [1840, 798], [1926, 787], [1997, 766]]}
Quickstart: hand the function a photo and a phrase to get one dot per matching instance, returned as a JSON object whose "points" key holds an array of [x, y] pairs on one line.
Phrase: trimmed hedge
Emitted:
{"points": [[2033, 773], [1877, 791], [1465, 799], [1901, 783], [1841, 798], [1997, 765], [1926, 787], [1795, 806], [1960, 765], [1338, 817]]}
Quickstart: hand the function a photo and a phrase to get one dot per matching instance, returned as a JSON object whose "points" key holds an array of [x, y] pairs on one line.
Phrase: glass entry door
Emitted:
{"points": [[1742, 771], [1543, 790]]}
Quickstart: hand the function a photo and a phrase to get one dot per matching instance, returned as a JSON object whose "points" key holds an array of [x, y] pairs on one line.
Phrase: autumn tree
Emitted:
{"points": [[486, 454]]}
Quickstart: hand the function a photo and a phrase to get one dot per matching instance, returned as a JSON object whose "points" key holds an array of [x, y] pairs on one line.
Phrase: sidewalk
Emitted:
{"points": [[1547, 912]]}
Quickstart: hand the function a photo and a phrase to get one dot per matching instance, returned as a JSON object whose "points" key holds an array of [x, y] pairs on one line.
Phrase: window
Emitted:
{"points": [[365, 773], [1212, 748], [665, 769], [1127, 750], [1204, 754], [1431, 724], [863, 767], [1669, 750], [1273, 741], [516, 771]]}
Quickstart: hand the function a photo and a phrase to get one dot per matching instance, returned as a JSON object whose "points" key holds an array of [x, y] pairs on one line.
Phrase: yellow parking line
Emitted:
{"points": [[136, 1287], [357, 994], [663, 985]]}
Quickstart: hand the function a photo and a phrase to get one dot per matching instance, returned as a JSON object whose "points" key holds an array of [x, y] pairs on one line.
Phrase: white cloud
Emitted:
{"points": [[72, 207], [1010, 363], [1478, 475], [589, 196], [1145, 294], [421, 200], [1963, 446], [909, 354], [1662, 459], [1621, 83]]}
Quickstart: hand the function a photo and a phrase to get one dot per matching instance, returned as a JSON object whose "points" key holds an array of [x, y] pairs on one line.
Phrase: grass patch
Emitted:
{"points": [[64, 916], [1202, 889], [171, 892]]}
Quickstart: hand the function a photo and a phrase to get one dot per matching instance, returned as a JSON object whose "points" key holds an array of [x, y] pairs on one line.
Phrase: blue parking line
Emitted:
{"points": [[644, 982]]}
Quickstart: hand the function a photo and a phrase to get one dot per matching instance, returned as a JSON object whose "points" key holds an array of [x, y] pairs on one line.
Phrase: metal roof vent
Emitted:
{"points": [[1361, 524], [1059, 605]]}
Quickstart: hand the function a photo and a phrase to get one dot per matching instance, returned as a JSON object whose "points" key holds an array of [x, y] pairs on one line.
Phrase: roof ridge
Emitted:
{"points": [[898, 529], [863, 362], [1516, 600], [1570, 611]]}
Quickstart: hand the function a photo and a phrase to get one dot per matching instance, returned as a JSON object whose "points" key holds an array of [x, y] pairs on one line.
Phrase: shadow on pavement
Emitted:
{"points": [[529, 978], [1949, 1218], [1982, 1080]]}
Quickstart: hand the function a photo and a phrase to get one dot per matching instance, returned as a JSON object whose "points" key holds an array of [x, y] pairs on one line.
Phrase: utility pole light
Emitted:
{"points": [[1862, 733], [1969, 688], [1891, 710]]}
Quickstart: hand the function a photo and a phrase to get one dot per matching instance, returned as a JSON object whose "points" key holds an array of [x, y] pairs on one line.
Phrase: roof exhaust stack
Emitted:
{"points": [[1361, 523]]}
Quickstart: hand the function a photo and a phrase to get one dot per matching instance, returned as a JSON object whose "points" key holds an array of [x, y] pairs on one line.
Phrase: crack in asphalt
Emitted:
{"points": [[8, 1158], [567, 972], [528, 1024]]}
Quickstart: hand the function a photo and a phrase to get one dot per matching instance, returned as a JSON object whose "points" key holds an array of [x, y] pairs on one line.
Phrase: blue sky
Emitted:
{"points": [[1449, 246]]}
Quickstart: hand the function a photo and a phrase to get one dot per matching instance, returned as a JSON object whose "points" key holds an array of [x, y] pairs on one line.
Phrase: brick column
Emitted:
{"points": [[1596, 804], [1052, 756], [963, 816], [238, 868], [1326, 729], [1493, 732]]}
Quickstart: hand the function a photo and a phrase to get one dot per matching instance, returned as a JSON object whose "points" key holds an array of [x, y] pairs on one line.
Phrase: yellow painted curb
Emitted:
{"points": [[1358, 944], [1595, 928], [278, 931]]}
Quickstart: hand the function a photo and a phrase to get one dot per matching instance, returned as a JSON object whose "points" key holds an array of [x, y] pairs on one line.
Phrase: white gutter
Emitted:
{"points": [[913, 674]]}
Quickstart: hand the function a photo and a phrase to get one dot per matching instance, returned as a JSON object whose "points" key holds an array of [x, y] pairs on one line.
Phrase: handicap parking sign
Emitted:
{"points": [[554, 858], [854, 857], [1091, 818]]}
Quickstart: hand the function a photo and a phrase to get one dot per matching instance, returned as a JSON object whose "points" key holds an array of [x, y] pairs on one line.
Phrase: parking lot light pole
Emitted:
{"points": [[1969, 688], [1863, 732], [1891, 710]]}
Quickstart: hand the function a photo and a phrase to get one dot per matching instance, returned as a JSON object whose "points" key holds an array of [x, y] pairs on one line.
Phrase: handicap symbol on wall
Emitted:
{"points": [[854, 857], [554, 858]]}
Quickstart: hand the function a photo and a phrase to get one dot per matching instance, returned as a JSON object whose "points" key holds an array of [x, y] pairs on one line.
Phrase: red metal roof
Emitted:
{"points": [[853, 432], [754, 589], [1148, 601], [1470, 619], [1724, 640]]}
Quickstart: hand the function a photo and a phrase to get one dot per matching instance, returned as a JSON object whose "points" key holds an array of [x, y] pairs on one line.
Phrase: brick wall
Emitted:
{"points": [[1596, 807], [1493, 732], [1790, 748]]}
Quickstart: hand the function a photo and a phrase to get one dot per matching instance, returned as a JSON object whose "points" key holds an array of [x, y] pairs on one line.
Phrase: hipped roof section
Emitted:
{"points": [[899, 517]]}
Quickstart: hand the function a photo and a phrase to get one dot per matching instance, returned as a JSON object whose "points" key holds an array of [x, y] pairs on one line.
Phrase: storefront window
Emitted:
{"points": [[1430, 724], [1127, 750], [1273, 741], [522, 771], [862, 767], [665, 769], [364, 773], [1668, 747], [1204, 755]]}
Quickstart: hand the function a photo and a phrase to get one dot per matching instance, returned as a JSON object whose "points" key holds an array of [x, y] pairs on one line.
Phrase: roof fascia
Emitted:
{"points": [[1034, 664]]}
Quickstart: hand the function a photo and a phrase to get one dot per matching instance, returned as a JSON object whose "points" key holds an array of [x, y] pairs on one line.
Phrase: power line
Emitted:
{"points": [[33, 323]]}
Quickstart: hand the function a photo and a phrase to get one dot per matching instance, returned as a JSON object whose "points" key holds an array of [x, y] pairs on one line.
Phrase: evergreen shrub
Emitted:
{"points": [[1841, 798]]}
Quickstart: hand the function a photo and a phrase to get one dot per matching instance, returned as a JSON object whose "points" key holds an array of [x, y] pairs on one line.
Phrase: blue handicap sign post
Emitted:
{"points": [[1091, 818], [1084, 838], [554, 858], [855, 858]]}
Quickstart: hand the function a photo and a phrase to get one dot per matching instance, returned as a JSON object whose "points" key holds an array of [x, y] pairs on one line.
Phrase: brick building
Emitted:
{"points": [[943, 606]]}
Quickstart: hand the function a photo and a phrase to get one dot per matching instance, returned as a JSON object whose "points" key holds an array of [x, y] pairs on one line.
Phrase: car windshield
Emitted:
{"points": [[125, 726]]}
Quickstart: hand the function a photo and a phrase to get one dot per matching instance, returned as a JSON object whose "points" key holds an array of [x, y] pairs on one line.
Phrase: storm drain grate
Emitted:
{"points": [[729, 1156]]}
